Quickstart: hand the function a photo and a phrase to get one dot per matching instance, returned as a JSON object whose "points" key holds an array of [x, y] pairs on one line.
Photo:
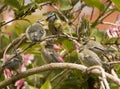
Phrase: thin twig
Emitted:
{"points": [[71, 38], [102, 73], [56, 8], [8, 22], [46, 3], [2, 8], [101, 15], [101, 83], [60, 74], [79, 11], [19, 38], [91, 16], [14, 42], [109, 23], [114, 62], [106, 15], [79, 27]]}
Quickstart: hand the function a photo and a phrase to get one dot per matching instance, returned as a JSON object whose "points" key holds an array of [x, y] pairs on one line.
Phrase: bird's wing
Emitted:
{"points": [[54, 56], [91, 61]]}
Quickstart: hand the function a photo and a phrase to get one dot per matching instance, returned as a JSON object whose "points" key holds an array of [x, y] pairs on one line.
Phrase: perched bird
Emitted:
{"points": [[13, 63], [97, 47], [89, 58], [49, 54], [54, 24], [36, 31]]}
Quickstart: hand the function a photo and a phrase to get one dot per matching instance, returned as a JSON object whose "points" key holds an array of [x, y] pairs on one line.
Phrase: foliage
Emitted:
{"points": [[79, 27]]}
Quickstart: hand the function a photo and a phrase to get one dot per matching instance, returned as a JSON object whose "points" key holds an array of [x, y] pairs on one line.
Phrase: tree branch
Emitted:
{"points": [[101, 15], [53, 66]]}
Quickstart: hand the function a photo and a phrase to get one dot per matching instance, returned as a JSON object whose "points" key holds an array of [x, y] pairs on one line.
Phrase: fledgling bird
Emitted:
{"points": [[49, 54], [89, 58], [13, 63], [54, 24], [36, 31], [97, 47]]}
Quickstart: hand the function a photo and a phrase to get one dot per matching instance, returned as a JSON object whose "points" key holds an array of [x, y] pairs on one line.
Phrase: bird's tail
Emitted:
{"points": [[107, 67]]}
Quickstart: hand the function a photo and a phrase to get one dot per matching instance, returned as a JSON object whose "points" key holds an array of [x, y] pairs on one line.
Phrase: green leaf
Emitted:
{"points": [[22, 11], [117, 3], [21, 2], [64, 5], [68, 44], [95, 3], [46, 85], [5, 39], [114, 86], [13, 3], [32, 50], [112, 40], [31, 87], [97, 34], [73, 57]]}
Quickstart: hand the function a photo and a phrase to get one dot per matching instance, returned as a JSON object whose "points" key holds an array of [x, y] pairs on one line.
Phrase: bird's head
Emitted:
{"points": [[51, 17]]}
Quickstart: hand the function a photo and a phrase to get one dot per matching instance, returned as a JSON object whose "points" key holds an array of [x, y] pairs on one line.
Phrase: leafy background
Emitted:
{"points": [[26, 14]]}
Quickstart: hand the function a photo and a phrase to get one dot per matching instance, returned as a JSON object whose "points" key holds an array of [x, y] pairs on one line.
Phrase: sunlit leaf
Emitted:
{"points": [[21, 2], [65, 5], [113, 86], [97, 34], [46, 85], [111, 40], [68, 44], [95, 3], [117, 3]]}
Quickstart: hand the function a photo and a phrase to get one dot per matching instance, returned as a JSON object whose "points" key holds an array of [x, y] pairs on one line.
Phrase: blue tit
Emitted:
{"points": [[97, 47], [49, 54], [13, 63], [54, 24], [36, 31], [89, 58]]}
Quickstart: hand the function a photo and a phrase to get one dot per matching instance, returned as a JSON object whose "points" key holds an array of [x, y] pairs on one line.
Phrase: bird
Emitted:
{"points": [[54, 23], [36, 31], [49, 54], [89, 58], [97, 47], [13, 63]]}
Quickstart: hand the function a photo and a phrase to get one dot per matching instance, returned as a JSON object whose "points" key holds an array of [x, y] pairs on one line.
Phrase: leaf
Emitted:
{"points": [[5, 39], [30, 87], [64, 5], [12, 3], [46, 85], [117, 3], [32, 50], [95, 3], [22, 11], [73, 57], [97, 34], [114, 86], [68, 44], [21, 2], [112, 40]]}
